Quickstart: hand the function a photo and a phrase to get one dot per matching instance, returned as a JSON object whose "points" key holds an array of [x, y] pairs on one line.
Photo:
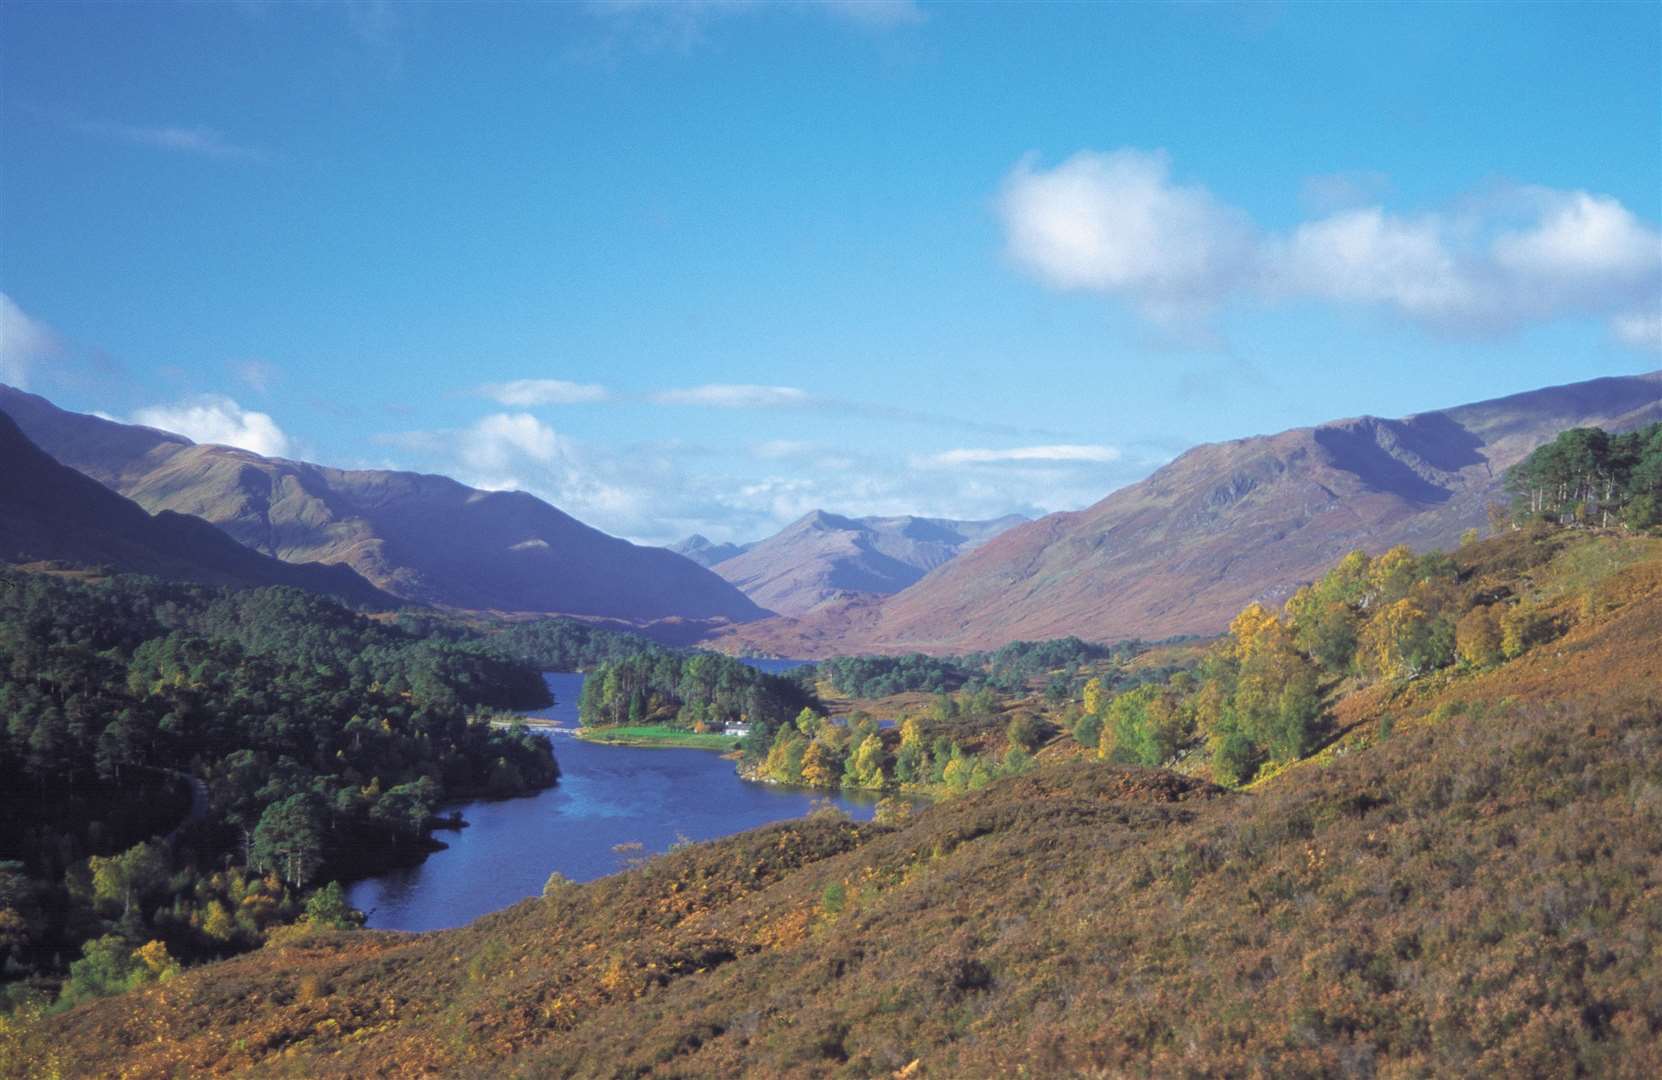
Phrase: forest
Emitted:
{"points": [[318, 743], [1589, 476], [696, 692], [545, 644]]}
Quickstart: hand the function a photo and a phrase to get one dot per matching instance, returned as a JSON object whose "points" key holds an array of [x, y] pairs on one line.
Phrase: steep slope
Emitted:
{"points": [[1222, 525], [50, 512], [424, 538], [824, 556], [1472, 891]]}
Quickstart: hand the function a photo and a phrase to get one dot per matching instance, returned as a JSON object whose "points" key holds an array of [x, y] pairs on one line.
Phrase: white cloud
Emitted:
{"points": [[1060, 453], [1115, 224], [734, 396], [214, 418], [1641, 330], [24, 343], [1366, 256], [1593, 238], [528, 393]]}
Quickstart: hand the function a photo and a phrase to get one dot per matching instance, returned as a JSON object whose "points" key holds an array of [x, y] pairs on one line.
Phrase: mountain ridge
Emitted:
{"points": [[1221, 525], [824, 557], [54, 513], [421, 537]]}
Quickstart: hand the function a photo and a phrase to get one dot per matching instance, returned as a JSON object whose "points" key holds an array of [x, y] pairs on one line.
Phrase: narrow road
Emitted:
{"points": [[198, 802]]}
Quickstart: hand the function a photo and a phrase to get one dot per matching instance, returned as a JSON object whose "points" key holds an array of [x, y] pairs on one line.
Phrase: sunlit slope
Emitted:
{"points": [[1477, 891]]}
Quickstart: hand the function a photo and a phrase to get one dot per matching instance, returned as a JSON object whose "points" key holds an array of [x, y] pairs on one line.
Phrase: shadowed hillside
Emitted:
{"points": [[49, 512], [1465, 882], [423, 538], [1222, 525]]}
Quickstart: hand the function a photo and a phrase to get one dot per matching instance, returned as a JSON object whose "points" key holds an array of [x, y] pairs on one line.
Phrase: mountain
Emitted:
{"points": [[1222, 525], [422, 538], [50, 512], [706, 552], [824, 557]]}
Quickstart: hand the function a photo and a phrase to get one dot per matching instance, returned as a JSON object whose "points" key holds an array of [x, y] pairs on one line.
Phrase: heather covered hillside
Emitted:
{"points": [[1462, 879]]}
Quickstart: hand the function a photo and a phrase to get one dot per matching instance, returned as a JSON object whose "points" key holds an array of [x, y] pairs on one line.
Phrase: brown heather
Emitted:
{"points": [[1473, 889]]}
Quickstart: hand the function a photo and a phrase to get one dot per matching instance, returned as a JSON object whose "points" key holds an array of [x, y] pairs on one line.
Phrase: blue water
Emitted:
{"points": [[607, 795]]}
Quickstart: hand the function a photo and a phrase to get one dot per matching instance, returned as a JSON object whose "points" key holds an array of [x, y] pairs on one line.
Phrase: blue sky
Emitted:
{"points": [[702, 267]]}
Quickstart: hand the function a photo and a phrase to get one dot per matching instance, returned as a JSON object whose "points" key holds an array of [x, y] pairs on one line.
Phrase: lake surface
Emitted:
{"points": [[607, 795]]}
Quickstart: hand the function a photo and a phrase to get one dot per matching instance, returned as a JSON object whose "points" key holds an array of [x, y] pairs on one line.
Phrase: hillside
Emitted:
{"points": [[422, 538], [1465, 883], [1222, 525], [824, 557], [51, 513]]}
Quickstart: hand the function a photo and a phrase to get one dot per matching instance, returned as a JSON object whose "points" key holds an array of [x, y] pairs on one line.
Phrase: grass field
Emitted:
{"points": [[658, 735]]}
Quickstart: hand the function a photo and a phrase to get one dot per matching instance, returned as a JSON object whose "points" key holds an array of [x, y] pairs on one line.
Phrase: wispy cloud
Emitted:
{"points": [[1057, 453], [684, 24], [257, 375], [528, 393], [214, 418], [200, 141], [1117, 224], [735, 396]]}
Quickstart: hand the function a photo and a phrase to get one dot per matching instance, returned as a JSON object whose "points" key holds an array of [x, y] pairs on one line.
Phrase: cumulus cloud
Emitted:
{"points": [[734, 396], [25, 343], [1116, 224], [528, 393], [1070, 453], [214, 418]]}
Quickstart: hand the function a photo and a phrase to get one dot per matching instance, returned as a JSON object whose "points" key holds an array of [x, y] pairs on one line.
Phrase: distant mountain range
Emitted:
{"points": [[824, 557], [706, 552], [1222, 525], [425, 539], [50, 512]]}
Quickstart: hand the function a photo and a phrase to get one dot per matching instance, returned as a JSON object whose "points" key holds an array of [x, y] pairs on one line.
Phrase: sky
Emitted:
{"points": [[704, 267]]}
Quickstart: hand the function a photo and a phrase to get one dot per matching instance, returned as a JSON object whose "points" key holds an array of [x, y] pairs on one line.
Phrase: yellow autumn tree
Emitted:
{"points": [[1477, 636], [866, 767], [819, 766], [1093, 700], [1255, 628]]}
